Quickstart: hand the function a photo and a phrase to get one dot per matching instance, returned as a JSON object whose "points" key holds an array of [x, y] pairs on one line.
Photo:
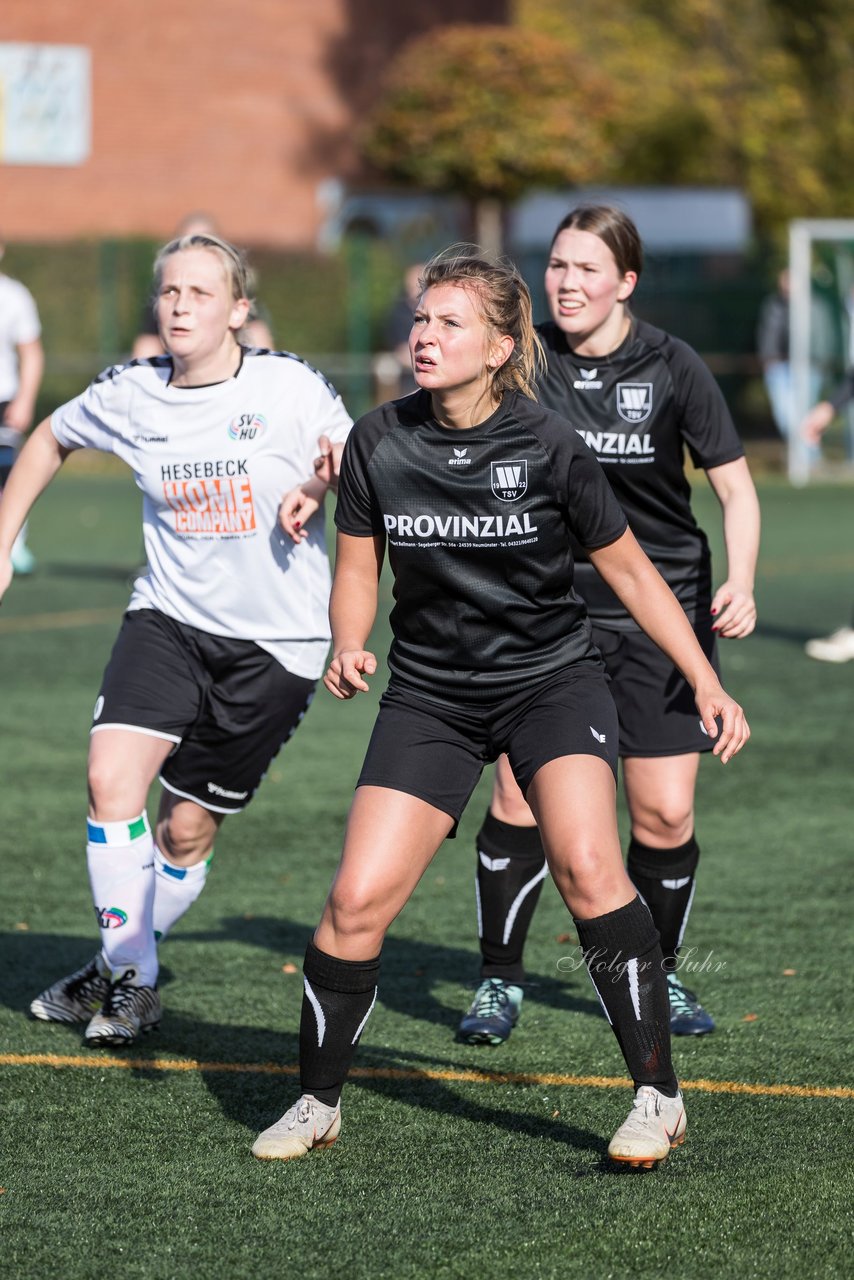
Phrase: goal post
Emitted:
{"points": [[809, 237]]}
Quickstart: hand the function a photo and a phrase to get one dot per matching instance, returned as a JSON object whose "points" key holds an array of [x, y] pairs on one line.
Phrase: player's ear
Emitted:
{"points": [[239, 314], [627, 288], [500, 352]]}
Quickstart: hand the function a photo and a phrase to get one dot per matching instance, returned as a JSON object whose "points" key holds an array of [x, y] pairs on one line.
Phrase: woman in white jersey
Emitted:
{"points": [[226, 632], [476, 490]]}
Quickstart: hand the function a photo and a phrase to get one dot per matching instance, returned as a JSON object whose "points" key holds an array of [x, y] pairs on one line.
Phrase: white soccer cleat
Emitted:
{"points": [[127, 1011], [654, 1125], [308, 1124], [838, 647], [75, 998]]}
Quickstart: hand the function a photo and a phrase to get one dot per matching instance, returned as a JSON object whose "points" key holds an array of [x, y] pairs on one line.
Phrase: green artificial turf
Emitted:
{"points": [[145, 1171]]}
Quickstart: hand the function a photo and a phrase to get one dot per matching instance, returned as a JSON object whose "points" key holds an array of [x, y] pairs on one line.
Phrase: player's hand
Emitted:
{"points": [[6, 574], [346, 671], [298, 506], [734, 611], [18, 415], [713, 704], [817, 421], [327, 466]]}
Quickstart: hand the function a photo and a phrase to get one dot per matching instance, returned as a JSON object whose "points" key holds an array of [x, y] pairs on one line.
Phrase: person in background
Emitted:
{"points": [[641, 399], [839, 646], [21, 370], [255, 332], [226, 633]]}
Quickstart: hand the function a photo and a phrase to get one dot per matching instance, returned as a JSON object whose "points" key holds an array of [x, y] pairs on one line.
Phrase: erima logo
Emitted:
{"points": [[454, 528], [509, 479], [634, 401], [588, 380], [600, 737], [613, 443], [228, 795], [493, 864], [459, 459]]}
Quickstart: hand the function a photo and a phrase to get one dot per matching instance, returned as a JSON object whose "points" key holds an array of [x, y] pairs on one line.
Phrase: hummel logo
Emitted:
{"points": [[459, 459], [493, 864], [600, 737]]}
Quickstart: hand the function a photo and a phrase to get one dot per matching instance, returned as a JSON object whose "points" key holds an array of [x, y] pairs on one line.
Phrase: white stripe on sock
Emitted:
{"points": [[318, 1012], [634, 989], [361, 1025], [519, 899], [686, 915]]}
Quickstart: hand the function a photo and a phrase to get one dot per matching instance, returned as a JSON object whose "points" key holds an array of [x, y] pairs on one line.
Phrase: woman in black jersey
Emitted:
{"points": [[638, 397], [475, 489]]}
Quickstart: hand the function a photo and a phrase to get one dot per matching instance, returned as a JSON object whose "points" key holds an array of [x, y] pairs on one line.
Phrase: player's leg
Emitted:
{"points": [[252, 707], [149, 694], [568, 776], [661, 740], [511, 868], [419, 772]]}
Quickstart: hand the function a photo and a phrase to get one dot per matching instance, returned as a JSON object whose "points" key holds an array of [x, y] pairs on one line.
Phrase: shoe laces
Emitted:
{"points": [[681, 999], [120, 994], [491, 999]]}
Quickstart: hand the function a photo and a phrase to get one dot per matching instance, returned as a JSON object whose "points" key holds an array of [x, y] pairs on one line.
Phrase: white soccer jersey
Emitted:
{"points": [[213, 464], [19, 323]]}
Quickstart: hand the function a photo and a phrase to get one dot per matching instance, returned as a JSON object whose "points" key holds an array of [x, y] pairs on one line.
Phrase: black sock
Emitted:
{"points": [[624, 962], [665, 879], [338, 996], [511, 867]]}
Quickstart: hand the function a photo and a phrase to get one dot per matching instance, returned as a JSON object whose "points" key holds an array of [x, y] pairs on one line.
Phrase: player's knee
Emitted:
{"points": [[665, 825], [185, 837], [353, 911], [112, 795]]}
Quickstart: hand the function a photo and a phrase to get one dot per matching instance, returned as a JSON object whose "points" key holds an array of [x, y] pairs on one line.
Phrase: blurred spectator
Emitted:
{"points": [[256, 331], [398, 326], [21, 368], [839, 646], [772, 341]]}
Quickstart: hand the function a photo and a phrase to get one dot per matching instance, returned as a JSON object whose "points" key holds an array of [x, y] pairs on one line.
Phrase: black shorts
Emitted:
{"points": [[437, 751], [658, 714], [228, 705]]}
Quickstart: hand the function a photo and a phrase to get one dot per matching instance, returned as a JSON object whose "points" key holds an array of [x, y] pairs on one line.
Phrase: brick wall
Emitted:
{"points": [[242, 108]]}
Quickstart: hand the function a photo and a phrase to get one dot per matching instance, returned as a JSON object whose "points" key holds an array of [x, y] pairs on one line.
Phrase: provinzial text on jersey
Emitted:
{"points": [[605, 442], [452, 528]]}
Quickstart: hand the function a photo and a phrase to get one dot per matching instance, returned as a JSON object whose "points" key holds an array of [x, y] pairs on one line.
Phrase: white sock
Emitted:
{"points": [[120, 856], [175, 890]]}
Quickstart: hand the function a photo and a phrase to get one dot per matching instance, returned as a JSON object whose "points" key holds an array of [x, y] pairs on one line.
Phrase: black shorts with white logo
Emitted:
{"points": [[658, 714], [228, 705], [437, 751]]}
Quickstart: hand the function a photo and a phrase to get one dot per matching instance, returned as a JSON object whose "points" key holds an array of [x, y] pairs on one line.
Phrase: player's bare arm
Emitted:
{"points": [[733, 606], [631, 575], [352, 610], [37, 464]]}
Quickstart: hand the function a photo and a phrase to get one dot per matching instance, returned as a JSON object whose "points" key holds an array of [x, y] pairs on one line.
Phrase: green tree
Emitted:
{"points": [[487, 112]]}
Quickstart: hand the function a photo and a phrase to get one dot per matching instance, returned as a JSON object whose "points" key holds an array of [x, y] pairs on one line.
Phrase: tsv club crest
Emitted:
{"points": [[634, 401], [509, 479]]}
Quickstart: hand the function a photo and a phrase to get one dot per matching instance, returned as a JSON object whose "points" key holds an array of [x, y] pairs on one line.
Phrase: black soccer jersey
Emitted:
{"points": [[479, 525], [638, 408]]}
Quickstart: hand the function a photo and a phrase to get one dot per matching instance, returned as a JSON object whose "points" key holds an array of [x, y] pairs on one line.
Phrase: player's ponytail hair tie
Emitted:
{"points": [[504, 301]]}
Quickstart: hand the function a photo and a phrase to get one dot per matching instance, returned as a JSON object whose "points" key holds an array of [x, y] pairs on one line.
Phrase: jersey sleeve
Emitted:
{"points": [[705, 422], [357, 512], [94, 419], [25, 318], [595, 516], [319, 410]]}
